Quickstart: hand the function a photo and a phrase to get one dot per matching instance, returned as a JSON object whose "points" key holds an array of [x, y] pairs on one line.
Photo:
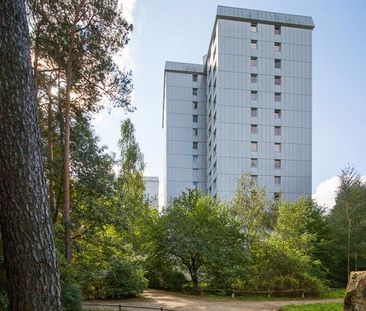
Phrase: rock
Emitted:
{"points": [[355, 298]]}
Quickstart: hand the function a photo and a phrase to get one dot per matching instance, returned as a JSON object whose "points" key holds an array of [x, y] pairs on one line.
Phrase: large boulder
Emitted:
{"points": [[355, 298]]}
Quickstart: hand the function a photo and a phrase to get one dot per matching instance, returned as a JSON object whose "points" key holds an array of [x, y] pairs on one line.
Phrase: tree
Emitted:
{"points": [[199, 234], [346, 224], [252, 210], [85, 38], [29, 252], [348, 198], [130, 184], [284, 260]]}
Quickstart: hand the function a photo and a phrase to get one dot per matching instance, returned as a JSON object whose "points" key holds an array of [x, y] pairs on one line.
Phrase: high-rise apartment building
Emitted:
{"points": [[151, 191], [248, 108]]}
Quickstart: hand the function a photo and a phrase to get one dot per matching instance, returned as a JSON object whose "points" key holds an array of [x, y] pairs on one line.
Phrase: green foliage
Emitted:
{"points": [[4, 301], [125, 279], [111, 221], [314, 307], [162, 274], [284, 259], [333, 293], [70, 290], [250, 207], [199, 234], [346, 228], [100, 32]]}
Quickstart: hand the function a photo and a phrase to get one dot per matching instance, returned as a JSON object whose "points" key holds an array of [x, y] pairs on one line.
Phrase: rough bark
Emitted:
{"points": [[355, 298], [29, 252]]}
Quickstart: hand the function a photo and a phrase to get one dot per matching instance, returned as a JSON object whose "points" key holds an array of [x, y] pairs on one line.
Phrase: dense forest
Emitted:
{"points": [[111, 241]]}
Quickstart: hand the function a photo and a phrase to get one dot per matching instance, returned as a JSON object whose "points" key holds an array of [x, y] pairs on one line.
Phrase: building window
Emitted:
{"points": [[195, 158], [277, 164], [195, 105], [195, 118], [253, 44], [277, 130], [277, 180], [253, 61], [277, 47], [254, 112], [253, 162], [253, 27], [277, 29], [194, 78], [195, 172], [277, 196], [277, 97], [254, 129], [277, 147], [277, 113], [254, 146], [195, 145], [254, 178], [277, 63], [253, 95], [253, 78], [277, 80], [194, 91], [195, 132], [195, 184]]}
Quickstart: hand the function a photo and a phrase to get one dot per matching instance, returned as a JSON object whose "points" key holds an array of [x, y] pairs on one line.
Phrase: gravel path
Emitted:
{"points": [[180, 302]]}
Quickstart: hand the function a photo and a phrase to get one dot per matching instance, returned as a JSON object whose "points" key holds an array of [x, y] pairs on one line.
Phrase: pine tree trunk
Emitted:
{"points": [[51, 190], [66, 209], [29, 253], [66, 151]]}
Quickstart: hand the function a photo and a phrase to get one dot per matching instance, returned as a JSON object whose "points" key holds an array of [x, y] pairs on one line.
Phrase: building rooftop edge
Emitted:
{"points": [[150, 178], [264, 16], [185, 67]]}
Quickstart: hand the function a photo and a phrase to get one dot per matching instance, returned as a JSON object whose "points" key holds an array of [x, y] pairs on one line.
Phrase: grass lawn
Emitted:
{"points": [[334, 293], [315, 307]]}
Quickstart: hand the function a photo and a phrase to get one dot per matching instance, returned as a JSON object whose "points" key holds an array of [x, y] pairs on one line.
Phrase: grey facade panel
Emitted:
{"points": [[245, 69]]}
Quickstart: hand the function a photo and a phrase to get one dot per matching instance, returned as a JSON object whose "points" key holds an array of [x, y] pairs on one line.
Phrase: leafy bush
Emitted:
{"points": [[4, 302], [312, 284], [125, 279], [174, 280], [92, 282], [162, 275], [70, 291]]}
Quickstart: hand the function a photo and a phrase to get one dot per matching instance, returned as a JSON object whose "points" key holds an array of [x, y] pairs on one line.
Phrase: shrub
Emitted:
{"points": [[92, 281], [174, 280], [125, 279], [70, 291], [4, 302], [312, 284]]}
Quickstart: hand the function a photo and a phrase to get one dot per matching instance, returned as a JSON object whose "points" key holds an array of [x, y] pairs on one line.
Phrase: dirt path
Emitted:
{"points": [[179, 302]]}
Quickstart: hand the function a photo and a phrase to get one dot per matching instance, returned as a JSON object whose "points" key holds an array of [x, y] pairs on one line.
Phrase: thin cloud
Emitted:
{"points": [[326, 191]]}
